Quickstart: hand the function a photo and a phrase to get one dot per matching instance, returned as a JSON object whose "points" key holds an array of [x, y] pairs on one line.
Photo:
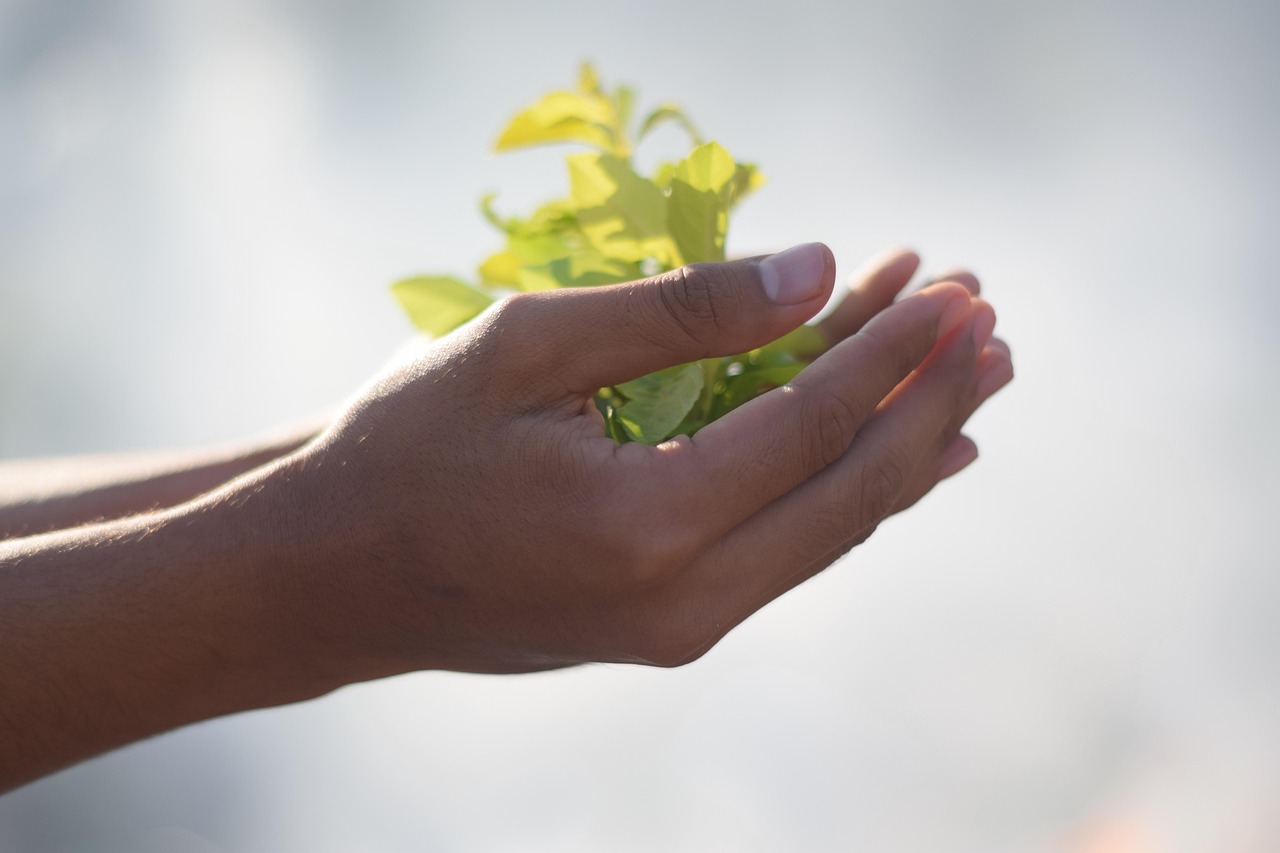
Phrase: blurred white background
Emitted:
{"points": [[1071, 647]]}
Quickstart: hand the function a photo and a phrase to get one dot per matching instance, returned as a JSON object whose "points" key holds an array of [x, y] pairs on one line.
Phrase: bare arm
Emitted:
{"points": [[468, 512], [39, 495], [113, 632]]}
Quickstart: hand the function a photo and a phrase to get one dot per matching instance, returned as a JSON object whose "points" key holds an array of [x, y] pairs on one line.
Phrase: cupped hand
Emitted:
{"points": [[468, 511], [872, 289]]}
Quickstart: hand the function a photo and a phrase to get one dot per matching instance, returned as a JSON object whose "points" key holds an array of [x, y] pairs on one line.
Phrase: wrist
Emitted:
{"points": [[267, 550], [310, 550]]}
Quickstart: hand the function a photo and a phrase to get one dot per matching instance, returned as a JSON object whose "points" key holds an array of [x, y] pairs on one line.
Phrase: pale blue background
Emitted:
{"points": [[201, 205]]}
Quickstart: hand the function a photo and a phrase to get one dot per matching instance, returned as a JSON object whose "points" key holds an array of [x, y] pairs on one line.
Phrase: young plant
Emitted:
{"points": [[617, 225]]}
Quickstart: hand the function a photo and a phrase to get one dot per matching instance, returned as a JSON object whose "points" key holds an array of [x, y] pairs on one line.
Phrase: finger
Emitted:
{"points": [[957, 456], [984, 323], [588, 338], [954, 458], [779, 440], [800, 533], [871, 289], [994, 371], [960, 276]]}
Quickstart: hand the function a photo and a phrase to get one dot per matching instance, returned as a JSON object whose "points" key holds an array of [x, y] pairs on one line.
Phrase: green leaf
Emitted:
{"points": [[804, 342], [553, 217], [697, 220], [613, 426], [548, 234], [656, 404], [439, 304], [562, 117], [622, 214], [581, 269], [624, 102], [668, 113], [615, 224], [663, 174], [708, 167], [588, 80], [754, 379], [746, 180], [501, 268], [494, 219], [697, 212], [537, 248], [523, 250]]}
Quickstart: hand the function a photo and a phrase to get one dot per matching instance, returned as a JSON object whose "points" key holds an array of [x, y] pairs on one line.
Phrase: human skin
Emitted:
{"points": [[467, 511], [39, 495]]}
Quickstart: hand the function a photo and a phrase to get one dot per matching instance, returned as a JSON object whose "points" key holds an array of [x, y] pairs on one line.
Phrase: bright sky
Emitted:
{"points": [[201, 206]]}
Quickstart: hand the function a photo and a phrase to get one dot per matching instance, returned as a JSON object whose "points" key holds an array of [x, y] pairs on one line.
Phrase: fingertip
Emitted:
{"points": [[899, 256], [994, 377], [828, 268], [960, 276], [958, 455], [799, 274], [984, 323], [956, 312], [890, 268]]}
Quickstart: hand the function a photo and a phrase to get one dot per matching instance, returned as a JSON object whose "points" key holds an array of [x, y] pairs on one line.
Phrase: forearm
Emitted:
{"points": [[39, 495], [118, 631]]}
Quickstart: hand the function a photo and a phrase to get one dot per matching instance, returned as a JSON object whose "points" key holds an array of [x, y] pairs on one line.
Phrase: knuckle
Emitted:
{"points": [[507, 344], [648, 548], [880, 485], [501, 329], [696, 291], [833, 423], [656, 558], [829, 523], [511, 312], [834, 527], [699, 299], [669, 645], [896, 359]]}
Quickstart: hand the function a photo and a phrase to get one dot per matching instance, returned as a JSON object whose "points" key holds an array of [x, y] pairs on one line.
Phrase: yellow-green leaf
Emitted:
{"points": [[697, 220], [588, 80], [581, 269], [746, 180], [668, 113], [656, 404], [624, 101], [620, 213], [502, 268], [439, 304], [663, 174], [708, 167], [562, 117], [805, 342]]}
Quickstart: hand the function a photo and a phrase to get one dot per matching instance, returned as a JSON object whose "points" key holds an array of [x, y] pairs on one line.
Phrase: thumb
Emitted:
{"points": [[598, 336]]}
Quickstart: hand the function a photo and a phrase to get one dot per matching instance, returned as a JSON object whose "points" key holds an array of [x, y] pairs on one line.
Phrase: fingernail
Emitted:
{"points": [[956, 312], [796, 274]]}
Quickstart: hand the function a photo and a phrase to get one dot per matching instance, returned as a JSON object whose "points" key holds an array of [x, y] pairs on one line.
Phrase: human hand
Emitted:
{"points": [[468, 512], [872, 289]]}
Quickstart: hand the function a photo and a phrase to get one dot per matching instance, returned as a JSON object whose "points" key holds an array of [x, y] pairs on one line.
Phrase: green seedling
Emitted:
{"points": [[616, 225]]}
